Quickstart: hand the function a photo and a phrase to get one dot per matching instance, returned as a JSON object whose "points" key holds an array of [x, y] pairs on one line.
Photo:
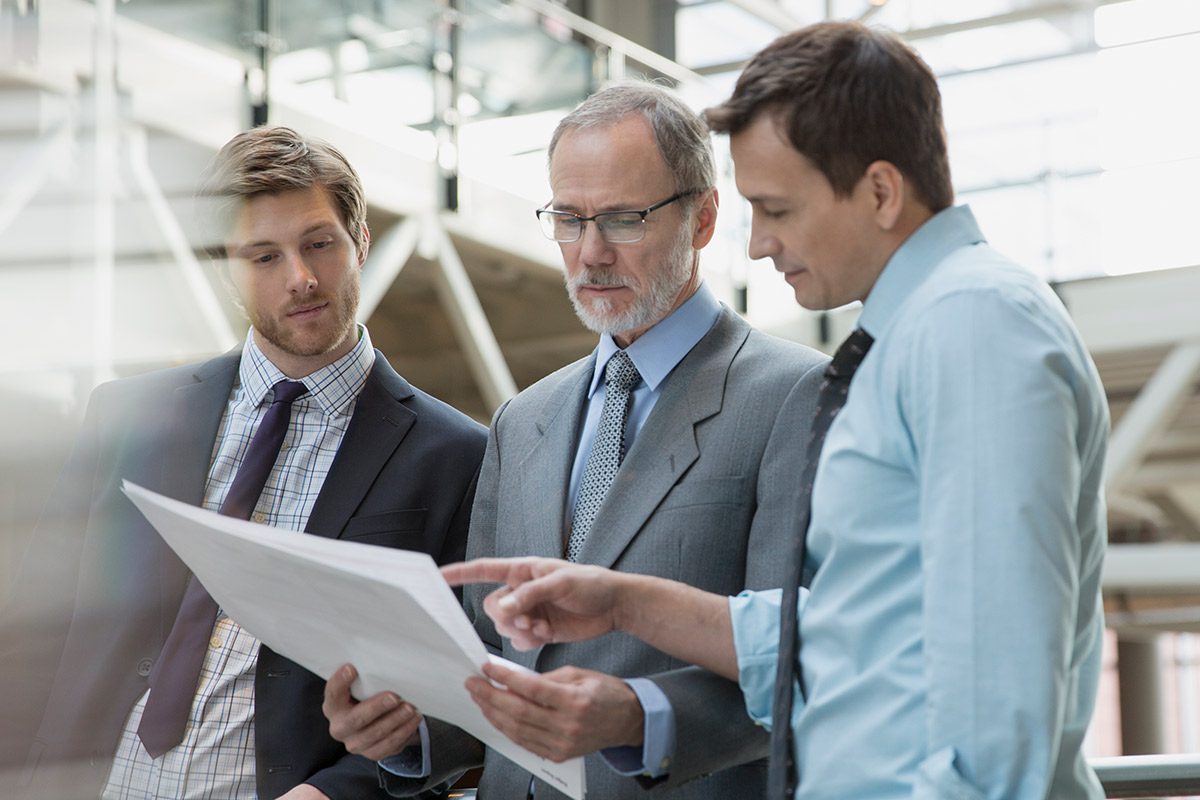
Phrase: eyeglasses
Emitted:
{"points": [[616, 227]]}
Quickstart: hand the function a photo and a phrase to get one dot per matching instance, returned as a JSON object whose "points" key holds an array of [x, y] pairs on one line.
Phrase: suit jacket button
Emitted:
{"points": [[144, 666]]}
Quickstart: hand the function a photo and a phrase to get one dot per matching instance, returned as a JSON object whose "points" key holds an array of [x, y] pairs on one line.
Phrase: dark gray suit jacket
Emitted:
{"points": [[706, 495], [71, 670]]}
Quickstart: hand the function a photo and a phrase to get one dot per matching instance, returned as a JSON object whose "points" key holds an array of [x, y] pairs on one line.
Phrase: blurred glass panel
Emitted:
{"points": [[1017, 123], [1149, 217], [806, 10], [1073, 226], [908, 14], [220, 24], [718, 33], [995, 45], [1015, 221], [1139, 20], [1148, 110], [514, 61], [378, 53]]}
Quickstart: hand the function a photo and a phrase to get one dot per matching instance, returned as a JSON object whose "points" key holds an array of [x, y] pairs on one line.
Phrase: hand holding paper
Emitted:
{"points": [[323, 603], [377, 727]]}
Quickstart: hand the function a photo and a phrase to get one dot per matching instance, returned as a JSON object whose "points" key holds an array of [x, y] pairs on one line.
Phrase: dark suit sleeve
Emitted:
{"points": [[712, 730], [452, 750], [37, 607]]}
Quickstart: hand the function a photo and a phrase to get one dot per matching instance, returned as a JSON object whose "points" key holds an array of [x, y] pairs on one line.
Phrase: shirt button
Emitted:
{"points": [[144, 666], [260, 518], [215, 642]]}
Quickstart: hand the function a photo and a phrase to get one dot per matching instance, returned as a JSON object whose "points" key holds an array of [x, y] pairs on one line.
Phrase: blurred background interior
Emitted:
{"points": [[1074, 133]]}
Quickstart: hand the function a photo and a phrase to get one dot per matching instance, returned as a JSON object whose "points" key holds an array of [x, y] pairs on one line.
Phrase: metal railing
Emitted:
{"points": [[1125, 776], [1149, 776]]}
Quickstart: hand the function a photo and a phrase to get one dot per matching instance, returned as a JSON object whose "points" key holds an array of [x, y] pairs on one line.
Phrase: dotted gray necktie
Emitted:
{"points": [[175, 676], [608, 449], [782, 775]]}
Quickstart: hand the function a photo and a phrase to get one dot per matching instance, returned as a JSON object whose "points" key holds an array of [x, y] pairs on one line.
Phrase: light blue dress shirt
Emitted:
{"points": [[950, 639], [655, 354]]}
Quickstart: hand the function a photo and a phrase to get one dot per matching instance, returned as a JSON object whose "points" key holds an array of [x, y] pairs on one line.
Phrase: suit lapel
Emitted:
{"points": [[196, 411], [666, 447], [193, 419], [381, 421], [545, 470]]}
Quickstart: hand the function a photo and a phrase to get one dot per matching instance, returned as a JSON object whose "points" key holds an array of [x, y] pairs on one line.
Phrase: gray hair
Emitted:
{"points": [[681, 134]]}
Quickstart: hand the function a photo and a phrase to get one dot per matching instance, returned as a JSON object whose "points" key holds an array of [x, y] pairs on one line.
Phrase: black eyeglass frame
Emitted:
{"points": [[643, 213]]}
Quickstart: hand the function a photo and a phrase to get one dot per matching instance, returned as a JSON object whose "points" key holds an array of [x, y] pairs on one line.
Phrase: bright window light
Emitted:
{"points": [[1148, 109], [1139, 20]]}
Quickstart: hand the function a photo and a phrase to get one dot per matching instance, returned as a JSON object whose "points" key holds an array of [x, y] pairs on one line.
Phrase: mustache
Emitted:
{"points": [[596, 278], [311, 302]]}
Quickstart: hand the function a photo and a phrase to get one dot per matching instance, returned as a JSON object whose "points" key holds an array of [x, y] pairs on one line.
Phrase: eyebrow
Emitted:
{"points": [[311, 229], [608, 209], [758, 200]]}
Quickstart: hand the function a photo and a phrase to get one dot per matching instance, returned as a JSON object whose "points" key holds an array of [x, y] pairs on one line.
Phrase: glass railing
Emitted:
{"points": [[509, 59]]}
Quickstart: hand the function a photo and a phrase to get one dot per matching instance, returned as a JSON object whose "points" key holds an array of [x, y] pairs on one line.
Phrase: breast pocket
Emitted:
{"points": [[389, 529], [731, 490], [704, 523]]}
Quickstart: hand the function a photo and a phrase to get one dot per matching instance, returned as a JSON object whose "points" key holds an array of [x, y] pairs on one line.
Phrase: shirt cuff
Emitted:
{"points": [[754, 617], [413, 761], [653, 758]]}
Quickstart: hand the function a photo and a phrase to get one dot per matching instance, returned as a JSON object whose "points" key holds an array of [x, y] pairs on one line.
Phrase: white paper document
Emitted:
{"points": [[324, 602]]}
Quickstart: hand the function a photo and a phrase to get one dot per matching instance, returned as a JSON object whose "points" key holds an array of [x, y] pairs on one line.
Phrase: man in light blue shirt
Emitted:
{"points": [[950, 636], [681, 467]]}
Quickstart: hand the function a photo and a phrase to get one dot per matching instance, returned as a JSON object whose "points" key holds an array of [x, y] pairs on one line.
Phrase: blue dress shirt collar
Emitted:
{"points": [[659, 350], [910, 265]]}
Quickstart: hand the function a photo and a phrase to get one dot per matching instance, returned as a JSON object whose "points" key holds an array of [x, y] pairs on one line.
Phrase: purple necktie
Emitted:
{"points": [[173, 681], [782, 777]]}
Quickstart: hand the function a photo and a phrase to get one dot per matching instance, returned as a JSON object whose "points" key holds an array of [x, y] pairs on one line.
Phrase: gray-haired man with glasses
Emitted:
{"points": [[672, 450]]}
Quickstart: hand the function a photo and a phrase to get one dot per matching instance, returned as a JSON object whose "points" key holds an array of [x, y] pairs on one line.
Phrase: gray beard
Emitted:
{"points": [[650, 304]]}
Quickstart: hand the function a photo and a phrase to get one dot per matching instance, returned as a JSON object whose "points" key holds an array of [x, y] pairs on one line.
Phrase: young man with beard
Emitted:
{"points": [[664, 453], [148, 690]]}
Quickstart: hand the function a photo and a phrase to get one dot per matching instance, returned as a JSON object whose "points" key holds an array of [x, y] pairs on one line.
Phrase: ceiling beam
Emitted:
{"points": [[1154, 409], [1152, 567], [1176, 510]]}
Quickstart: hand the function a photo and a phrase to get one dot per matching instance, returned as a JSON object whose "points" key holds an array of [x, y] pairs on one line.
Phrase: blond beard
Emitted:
{"points": [[343, 307]]}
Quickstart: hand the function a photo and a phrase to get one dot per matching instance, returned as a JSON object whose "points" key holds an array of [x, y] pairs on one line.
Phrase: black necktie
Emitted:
{"points": [[781, 780], [173, 681]]}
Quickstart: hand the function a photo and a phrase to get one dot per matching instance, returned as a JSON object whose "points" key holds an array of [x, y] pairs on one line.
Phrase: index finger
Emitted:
{"points": [[487, 570]]}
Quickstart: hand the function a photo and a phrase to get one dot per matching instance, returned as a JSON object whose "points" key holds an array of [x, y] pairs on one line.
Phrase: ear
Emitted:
{"points": [[706, 219], [366, 245], [888, 192]]}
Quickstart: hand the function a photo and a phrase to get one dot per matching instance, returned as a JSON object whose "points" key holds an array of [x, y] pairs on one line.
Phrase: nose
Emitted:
{"points": [[593, 250], [761, 245], [300, 279]]}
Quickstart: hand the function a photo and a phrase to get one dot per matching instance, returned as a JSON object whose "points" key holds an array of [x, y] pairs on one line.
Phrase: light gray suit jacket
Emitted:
{"points": [[706, 495]]}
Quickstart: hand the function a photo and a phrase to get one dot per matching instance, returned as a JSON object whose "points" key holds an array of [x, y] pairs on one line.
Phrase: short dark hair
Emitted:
{"points": [[847, 95], [274, 159]]}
